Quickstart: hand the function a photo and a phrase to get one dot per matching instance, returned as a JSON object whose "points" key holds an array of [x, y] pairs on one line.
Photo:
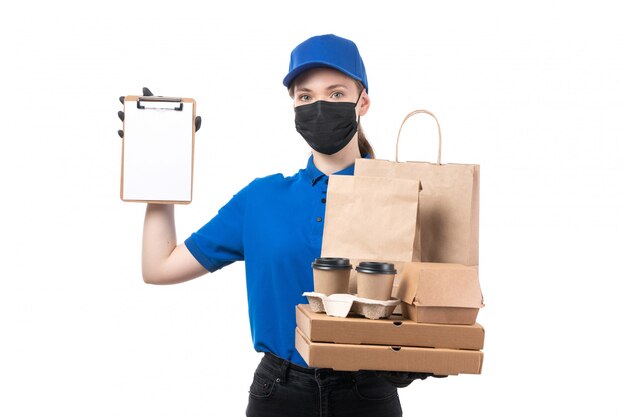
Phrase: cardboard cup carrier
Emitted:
{"points": [[331, 282]]}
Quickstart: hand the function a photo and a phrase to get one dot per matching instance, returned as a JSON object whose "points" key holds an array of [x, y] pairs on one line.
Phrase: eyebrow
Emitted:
{"points": [[330, 87]]}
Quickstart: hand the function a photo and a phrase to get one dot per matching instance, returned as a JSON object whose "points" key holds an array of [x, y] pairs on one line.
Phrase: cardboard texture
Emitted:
{"points": [[350, 303], [396, 331], [352, 287], [331, 282], [345, 357], [449, 206], [316, 301], [440, 293], [359, 208], [375, 286], [374, 309], [449, 203]]}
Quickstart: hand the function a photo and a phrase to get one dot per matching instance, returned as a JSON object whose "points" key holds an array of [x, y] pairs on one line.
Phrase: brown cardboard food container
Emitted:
{"points": [[440, 293], [345, 357], [396, 331]]}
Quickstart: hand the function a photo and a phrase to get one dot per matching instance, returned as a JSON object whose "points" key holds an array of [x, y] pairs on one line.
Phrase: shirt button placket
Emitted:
{"points": [[322, 207]]}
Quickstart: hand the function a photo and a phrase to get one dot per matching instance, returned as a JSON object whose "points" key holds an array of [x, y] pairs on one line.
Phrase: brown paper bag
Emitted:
{"points": [[448, 202], [372, 218]]}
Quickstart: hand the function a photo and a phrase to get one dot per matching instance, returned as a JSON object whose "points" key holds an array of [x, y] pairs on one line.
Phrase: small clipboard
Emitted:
{"points": [[158, 149]]}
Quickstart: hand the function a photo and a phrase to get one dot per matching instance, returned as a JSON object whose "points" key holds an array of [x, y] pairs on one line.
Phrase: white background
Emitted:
{"points": [[532, 91]]}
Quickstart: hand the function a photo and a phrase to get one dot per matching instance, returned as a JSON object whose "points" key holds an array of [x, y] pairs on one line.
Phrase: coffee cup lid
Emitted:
{"points": [[331, 263], [376, 268]]}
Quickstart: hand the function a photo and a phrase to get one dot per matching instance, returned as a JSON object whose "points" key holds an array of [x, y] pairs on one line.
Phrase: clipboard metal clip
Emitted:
{"points": [[160, 99]]}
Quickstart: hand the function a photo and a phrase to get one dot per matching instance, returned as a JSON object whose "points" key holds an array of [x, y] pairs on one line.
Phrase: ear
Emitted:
{"points": [[364, 105]]}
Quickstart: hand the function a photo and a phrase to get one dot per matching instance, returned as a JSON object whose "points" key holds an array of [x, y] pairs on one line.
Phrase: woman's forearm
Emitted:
{"points": [[159, 239]]}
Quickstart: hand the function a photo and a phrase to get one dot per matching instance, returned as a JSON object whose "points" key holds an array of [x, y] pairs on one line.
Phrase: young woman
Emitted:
{"points": [[275, 224]]}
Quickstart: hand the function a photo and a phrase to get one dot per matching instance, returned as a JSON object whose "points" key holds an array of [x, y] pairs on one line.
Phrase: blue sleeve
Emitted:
{"points": [[220, 242]]}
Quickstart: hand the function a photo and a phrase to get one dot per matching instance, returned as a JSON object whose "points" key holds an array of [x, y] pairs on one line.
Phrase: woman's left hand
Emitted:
{"points": [[146, 92]]}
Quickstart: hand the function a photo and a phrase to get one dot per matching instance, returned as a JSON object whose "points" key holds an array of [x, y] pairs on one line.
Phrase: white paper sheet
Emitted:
{"points": [[158, 152]]}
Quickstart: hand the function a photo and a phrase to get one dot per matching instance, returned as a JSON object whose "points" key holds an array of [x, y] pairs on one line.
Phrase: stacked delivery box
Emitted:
{"points": [[436, 333]]}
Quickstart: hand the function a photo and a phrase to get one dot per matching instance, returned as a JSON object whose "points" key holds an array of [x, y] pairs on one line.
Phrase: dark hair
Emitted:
{"points": [[365, 148]]}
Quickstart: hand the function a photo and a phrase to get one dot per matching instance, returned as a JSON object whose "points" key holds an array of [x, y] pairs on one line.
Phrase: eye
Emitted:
{"points": [[337, 94], [304, 97]]}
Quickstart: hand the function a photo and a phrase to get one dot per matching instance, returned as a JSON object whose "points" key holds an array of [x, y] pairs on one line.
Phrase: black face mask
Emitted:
{"points": [[327, 126]]}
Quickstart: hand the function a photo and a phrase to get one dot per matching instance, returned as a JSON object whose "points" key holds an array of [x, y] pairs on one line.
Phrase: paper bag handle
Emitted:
{"points": [[414, 112]]}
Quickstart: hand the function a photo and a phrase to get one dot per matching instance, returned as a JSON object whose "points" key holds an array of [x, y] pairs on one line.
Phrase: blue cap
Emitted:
{"points": [[327, 51]]}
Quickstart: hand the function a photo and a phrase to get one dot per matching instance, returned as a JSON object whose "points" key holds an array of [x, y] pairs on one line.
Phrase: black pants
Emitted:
{"points": [[282, 388]]}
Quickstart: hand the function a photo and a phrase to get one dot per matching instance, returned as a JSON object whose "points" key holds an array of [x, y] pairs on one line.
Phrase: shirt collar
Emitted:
{"points": [[315, 174]]}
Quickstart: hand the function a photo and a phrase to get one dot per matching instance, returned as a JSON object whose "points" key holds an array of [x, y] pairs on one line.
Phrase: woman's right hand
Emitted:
{"points": [[147, 92]]}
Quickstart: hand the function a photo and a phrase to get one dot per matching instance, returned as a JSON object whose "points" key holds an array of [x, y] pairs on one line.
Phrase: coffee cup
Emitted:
{"points": [[331, 275], [375, 280]]}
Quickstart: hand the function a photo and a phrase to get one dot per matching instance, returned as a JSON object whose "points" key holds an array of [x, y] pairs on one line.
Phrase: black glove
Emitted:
{"points": [[147, 92], [403, 379]]}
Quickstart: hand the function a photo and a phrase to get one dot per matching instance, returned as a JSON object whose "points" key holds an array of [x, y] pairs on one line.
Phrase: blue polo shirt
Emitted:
{"points": [[275, 224]]}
